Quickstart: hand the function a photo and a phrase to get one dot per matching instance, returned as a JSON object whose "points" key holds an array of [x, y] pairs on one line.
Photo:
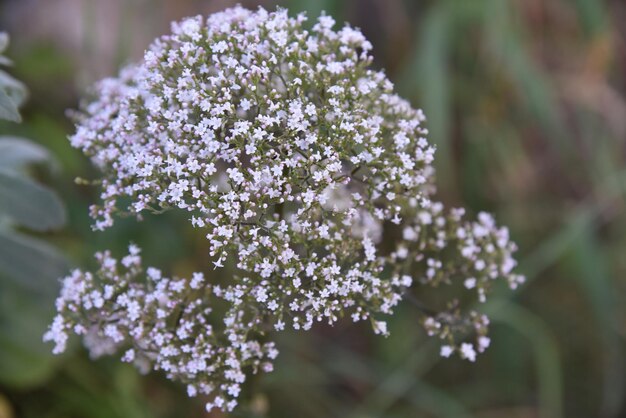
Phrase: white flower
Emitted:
{"points": [[483, 343], [370, 250], [380, 327], [470, 283], [292, 155], [446, 351], [468, 352]]}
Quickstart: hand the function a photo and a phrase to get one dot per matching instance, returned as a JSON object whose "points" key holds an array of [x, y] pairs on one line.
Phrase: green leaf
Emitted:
{"points": [[21, 365], [25, 361], [15, 89], [28, 203], [17, 153], [8, 109], [31, 263], [4, 41]]}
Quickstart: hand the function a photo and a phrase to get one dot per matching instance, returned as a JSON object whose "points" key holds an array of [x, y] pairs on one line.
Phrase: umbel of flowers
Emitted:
{"points": [[291, 154]]}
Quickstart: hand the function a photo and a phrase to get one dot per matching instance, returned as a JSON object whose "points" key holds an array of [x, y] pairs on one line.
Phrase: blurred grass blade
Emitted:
{"points": [[589, 267], [561, 241], [545, 350], [437, 401], [553, 248], [427, 79], [591, 15], [28, 203], [399, 383], [403, 384], [505, 42]]}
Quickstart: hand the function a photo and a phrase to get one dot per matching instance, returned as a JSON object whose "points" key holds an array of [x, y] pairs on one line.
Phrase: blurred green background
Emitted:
{"points": [[526, 101]]}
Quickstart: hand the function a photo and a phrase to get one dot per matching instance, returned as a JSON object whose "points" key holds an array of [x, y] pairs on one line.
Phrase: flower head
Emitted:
{"points": [[291, 154]]}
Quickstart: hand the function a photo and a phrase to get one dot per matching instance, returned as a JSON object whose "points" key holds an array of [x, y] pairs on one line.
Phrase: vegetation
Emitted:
{"points": [[525, 101]]}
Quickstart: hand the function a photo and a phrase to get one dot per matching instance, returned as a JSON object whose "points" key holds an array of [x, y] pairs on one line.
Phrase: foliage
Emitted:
{"points": [[12, 92], [29, 267]]}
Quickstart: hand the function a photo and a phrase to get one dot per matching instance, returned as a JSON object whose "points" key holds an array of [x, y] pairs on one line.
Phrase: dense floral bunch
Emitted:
{"points": [[291, 154]]}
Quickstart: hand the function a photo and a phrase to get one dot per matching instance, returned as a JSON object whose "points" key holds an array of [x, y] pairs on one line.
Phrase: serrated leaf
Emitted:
{"points": [[16, 153], [30, 263], [29, 204], [8, 109]]}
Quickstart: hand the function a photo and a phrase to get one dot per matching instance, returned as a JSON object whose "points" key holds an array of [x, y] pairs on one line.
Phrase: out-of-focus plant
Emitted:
{"points": [[29, 266], [525, 102], [12, 91]]}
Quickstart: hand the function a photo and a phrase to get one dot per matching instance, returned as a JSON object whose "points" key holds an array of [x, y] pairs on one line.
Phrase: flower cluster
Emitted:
{"points": [[163, 323], [293, 157]]}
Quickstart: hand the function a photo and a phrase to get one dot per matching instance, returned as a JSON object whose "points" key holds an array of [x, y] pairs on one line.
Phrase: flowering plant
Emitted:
{"points": [[293, 157]]}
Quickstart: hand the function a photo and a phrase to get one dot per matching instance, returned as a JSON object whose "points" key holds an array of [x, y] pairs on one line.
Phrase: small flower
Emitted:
{"points": [[483, 343], [446, 351], [292, 155], [470, 283], [468, 352], [380, 327]]}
